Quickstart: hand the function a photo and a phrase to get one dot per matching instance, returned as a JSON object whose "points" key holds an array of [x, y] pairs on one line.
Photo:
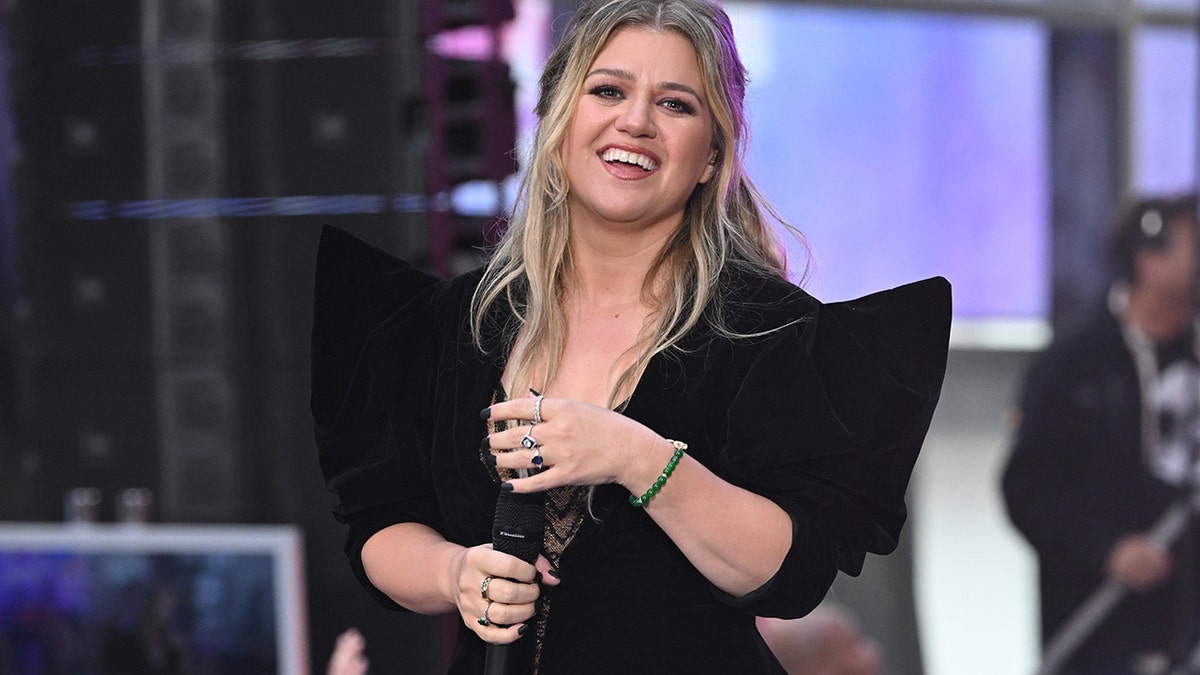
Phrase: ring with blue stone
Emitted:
{"points": [[528, 441], [537, 457]]}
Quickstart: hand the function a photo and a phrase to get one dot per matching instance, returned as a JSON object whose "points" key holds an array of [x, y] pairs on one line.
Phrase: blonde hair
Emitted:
{"points": [[725, 221]]}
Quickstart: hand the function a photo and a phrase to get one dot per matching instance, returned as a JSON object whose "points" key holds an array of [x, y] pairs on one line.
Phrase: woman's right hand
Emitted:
{"points": [[513, 588]]}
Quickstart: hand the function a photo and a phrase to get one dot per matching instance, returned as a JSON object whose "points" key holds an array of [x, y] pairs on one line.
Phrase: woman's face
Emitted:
{"points": [[641, 137]]}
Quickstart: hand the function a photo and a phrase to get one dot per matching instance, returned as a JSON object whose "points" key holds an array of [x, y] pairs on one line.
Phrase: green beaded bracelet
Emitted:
{"points": [[680, 446]]}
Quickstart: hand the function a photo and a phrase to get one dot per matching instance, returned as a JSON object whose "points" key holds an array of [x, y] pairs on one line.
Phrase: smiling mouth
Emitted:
{"points": [[614, 155]]}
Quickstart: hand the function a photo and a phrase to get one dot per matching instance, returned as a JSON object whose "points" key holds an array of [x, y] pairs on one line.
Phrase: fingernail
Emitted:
{"points": [[485, 444], [524, 627], [537, 577], [486, 413], [506, 487], [490, 460], [554, 573], [534, 391]]}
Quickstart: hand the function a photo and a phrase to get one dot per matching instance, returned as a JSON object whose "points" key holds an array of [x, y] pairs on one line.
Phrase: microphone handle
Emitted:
{"points": [[516, 530]]}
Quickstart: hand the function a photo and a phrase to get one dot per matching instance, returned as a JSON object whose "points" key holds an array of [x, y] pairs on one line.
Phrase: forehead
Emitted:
{"points": [[644, 50]]}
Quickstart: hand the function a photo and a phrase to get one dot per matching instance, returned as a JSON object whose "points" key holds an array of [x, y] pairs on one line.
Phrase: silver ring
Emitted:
{"points": [[483, 588], [527, 441], [537, 457], [537, 409], [483, 620]]}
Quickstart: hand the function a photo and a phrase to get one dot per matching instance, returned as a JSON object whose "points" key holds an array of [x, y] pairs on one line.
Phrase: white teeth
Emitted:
{"points": [[617, 155]]}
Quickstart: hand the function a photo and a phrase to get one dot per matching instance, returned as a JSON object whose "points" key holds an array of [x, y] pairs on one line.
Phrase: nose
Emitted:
{"points": [[635, 119]]}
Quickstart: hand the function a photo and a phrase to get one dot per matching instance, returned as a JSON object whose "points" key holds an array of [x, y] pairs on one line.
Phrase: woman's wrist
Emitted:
{"points": [[451, 582], [648, 466], [652, 491]]}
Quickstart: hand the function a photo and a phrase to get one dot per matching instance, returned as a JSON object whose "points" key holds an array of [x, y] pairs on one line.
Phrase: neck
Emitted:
{"points": [[610, 268]]}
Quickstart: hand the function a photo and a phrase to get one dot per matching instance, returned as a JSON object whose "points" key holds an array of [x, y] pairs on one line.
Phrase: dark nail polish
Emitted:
{"points": [[524, 627], [554, 573], [490, 460], [537, 577], [486, 413], [485, 444], [506, 487], [534, 391]]}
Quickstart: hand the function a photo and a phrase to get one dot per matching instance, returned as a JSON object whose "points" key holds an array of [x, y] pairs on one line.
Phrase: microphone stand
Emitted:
{"points": [[1100, 603], [1188, 660]]}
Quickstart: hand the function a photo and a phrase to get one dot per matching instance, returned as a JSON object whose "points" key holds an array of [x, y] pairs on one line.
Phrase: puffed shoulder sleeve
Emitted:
{"points": [[373, 334], [828, 421]]}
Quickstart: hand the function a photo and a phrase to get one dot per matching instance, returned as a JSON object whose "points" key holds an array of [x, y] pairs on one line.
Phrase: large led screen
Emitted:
{"points": [[905, 145]]}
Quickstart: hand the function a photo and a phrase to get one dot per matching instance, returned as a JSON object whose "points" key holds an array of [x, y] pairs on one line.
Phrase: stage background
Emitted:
{"points": [[167, 166]]}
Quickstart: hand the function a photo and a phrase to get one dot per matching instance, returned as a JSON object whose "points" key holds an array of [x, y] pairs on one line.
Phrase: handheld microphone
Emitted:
{"points": [[516, 530]]}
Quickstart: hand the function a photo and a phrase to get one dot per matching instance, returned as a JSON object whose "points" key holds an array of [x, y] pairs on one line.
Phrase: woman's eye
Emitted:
{"points": [[679, 106], [605, 91]]}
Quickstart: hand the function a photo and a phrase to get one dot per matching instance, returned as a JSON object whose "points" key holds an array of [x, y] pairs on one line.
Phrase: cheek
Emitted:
{"points": [[577, 141]]}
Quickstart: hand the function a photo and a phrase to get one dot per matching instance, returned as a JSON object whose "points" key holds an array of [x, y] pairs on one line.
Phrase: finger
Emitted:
{"points": [[549, 573], [517, 409], [501, 615], [492, 617], [512, 439], [504, 565], [510, 592], [520, 459], [499, 635], [538, 482]]}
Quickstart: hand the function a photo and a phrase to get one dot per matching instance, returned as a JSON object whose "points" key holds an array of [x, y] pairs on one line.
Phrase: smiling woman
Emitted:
{"points": [[708, 441]]}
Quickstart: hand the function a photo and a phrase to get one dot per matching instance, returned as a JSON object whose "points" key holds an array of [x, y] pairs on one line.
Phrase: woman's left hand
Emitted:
{"points": [[578, 443], [737, 547]]}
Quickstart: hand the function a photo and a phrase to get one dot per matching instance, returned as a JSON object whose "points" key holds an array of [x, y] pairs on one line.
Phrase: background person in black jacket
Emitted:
{"points": [[1106, 441]]}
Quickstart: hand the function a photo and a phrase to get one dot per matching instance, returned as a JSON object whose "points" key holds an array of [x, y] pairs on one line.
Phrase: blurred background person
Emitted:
{"points": [[1106, 441]]}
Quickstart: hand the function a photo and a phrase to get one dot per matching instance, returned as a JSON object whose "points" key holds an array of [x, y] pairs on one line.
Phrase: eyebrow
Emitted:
{"points": [[626, 75]]}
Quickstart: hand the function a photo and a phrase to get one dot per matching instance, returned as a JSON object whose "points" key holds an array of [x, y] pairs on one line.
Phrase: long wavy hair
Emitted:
{"points": [[726, 222]]}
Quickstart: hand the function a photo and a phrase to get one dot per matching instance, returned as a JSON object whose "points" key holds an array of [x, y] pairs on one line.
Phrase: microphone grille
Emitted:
{"points": [[517, 529]]}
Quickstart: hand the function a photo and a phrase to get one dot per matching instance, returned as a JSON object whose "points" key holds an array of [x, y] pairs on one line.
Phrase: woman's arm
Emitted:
{"points": [[735, 538], [419, 569], [414, 566]]}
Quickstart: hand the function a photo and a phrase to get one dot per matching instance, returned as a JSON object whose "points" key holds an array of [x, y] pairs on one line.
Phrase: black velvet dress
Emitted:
{"points": [[825, 416]]}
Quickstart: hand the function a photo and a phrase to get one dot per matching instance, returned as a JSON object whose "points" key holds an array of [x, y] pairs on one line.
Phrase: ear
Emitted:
{"points": [[710, 169]]}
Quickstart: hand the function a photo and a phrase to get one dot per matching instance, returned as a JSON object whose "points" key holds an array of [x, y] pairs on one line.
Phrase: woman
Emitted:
{"points": [[712, 443]]}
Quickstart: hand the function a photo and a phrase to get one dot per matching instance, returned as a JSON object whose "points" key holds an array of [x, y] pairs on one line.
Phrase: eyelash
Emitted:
{"points": [[609, 92]]}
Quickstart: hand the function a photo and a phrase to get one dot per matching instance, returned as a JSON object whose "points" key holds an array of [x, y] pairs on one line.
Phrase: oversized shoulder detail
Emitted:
{"points": [[834, 408], [358, 285], [905, 330], [360, 291], [881, 360]]}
